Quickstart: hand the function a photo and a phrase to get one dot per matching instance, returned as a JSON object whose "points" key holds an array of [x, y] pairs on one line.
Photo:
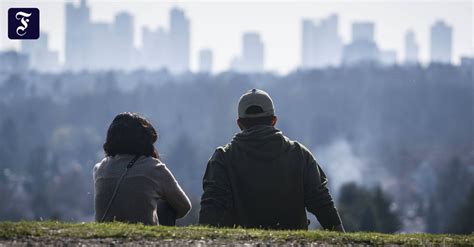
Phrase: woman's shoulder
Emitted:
{"points": [[144, 165], [156, 170], [100, 163], [153, 164]]}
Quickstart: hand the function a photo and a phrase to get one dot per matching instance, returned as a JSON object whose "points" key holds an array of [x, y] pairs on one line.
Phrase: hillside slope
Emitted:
{"points": [[57, 233]]}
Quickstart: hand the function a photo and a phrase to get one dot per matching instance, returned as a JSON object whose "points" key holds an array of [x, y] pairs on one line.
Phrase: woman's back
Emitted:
{"points": [[146, 183]]}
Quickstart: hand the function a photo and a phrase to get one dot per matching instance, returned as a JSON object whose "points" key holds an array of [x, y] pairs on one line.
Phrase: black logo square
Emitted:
{"points": [[23, 23]]}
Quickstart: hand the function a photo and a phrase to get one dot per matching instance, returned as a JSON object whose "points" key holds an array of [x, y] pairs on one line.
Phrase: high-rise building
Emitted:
{"points": [[40, 57], [78, 40], [179, 37], [253, 54], [101, 52], [307, 44], [321, 43], [205, 61], [363, 48], [123, 35], [441, 43], [155, 48], [411, 48]]}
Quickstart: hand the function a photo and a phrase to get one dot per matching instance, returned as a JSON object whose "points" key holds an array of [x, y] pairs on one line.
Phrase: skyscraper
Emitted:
{"points": [[411, 48], [40, 57], [205, 61], [321, 44], [179, 37], [78, 38], [155, 48], [307, 44], [252, 58], [441, 42], [252, 52], [101, 50], [123, 36], [363, 48]]}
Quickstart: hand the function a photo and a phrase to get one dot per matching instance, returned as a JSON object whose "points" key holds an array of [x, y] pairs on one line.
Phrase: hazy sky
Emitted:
{"points": [[219, 25]]}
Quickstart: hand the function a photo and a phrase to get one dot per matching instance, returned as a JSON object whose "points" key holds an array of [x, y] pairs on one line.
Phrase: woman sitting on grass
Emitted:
{"points": [[131, 183]]}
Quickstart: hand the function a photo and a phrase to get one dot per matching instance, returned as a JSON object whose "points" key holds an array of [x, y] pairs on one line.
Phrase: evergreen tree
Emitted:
{"points": [[9, 145], [368, 221], [366, 210], [451, 191], [463, 222], [432, 218], [39, 183], [388, 221]]}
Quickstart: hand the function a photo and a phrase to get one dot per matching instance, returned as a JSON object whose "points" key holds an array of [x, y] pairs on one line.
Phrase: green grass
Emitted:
{"points": [[51, 230]]}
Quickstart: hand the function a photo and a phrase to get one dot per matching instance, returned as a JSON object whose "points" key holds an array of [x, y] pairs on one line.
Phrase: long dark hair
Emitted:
{"points": [[130, 133]]}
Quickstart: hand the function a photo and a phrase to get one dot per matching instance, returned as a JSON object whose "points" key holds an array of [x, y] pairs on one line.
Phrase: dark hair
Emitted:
{"points": [[251, 122], [130, 133]]}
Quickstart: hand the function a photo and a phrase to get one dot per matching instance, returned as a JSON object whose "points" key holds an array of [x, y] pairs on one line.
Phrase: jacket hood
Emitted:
{"points": [[261, 142]]}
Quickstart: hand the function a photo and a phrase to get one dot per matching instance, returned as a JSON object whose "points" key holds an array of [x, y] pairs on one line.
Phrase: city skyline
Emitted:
{"points": [[273, 57]]}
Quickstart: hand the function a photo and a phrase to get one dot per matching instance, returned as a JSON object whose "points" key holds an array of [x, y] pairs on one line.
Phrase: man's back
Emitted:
{"points": [[262, 179]]}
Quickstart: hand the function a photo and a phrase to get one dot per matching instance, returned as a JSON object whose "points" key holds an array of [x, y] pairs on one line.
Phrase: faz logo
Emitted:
{"points": [[23, 23]]}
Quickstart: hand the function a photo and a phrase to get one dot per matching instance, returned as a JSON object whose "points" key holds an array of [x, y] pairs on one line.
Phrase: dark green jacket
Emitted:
{"points": [[264, 180]]}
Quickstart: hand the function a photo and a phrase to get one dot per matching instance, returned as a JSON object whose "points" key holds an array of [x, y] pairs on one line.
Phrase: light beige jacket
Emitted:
{"points": [[145, 183]]}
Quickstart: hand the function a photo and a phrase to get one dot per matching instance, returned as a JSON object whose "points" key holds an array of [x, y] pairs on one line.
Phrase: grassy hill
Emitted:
{"points": [[50, 232]]}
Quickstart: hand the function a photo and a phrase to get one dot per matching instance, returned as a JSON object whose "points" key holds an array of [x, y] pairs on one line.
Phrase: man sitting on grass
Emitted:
{"points": [[262, 179]]}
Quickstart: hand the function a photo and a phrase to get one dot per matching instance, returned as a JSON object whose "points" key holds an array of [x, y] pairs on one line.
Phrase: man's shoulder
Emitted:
{"points": [[292, 143], [221, 151], [297, 146], [224, 148]]}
